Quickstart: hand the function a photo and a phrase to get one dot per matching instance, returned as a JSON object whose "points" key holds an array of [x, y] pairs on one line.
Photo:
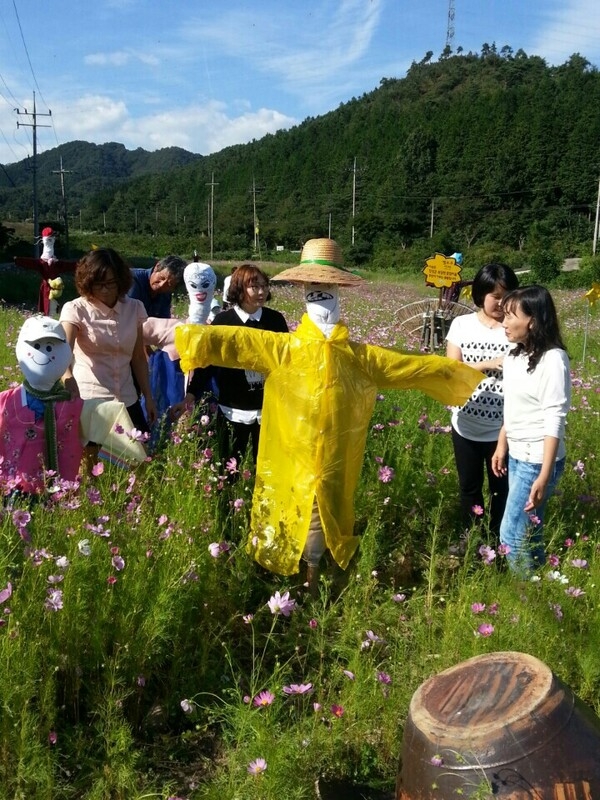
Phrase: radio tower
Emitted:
{"points": [[450, 28]]}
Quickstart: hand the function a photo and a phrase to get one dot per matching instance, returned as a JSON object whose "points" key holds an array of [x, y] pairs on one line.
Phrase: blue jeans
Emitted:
{"points": [[518, 530]]}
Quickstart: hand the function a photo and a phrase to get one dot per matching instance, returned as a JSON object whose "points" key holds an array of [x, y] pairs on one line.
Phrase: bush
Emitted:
{"points": [[545, 266]]}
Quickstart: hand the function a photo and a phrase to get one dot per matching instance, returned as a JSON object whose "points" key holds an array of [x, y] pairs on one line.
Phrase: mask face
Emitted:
{"points": [[322, 304], [200, 281], [43, 361]]}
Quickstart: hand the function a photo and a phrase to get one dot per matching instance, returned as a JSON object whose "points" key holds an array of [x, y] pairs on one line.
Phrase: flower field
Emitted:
{"points": [[145, 655]]}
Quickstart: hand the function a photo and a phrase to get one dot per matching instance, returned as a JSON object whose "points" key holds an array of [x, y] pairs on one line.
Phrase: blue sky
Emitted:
{"points": [[203, 74]]}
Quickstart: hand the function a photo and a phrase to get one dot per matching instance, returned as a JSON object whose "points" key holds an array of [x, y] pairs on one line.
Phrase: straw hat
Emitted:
{"points": [[321, 262]]}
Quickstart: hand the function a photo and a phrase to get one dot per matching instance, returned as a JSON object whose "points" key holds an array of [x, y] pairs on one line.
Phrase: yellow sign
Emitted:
{"points": [[441, 271], [593, 294]]}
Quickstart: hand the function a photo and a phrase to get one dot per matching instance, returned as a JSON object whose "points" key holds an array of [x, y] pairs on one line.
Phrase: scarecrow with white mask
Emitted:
{"points": [[39, 423], [200, 281], [319, 395]]}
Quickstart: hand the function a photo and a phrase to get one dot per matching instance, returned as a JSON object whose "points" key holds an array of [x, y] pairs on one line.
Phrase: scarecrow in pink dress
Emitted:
{"points": [[50, 269], [39, 423]]}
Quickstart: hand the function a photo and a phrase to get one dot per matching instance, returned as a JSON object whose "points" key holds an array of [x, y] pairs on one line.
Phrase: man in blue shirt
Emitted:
{"points": [[155, 286]]}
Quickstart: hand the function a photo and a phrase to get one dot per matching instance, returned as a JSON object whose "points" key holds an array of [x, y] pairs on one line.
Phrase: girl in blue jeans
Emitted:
{"points": [[537, 395]]}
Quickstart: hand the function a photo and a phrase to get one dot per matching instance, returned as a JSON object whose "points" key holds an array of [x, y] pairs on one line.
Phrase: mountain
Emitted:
{"points": [[90, 170], [490, 147]]}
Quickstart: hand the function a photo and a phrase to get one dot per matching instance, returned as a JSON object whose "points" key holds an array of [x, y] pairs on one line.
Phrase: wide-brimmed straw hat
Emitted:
{"points": [[321, 261]]}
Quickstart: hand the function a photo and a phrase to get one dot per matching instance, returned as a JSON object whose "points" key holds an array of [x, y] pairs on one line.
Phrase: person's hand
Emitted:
{"points": [[536, 494], [71, 386], [178, 409], [499, 463], [151, 412]]}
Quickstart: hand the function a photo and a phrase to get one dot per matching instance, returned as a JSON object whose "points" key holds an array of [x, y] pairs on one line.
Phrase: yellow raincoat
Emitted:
{"points": [[318, 400]]}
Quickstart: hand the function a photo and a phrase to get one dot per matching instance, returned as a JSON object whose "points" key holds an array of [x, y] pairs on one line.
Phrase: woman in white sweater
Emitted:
{"points": [[537, 396]]}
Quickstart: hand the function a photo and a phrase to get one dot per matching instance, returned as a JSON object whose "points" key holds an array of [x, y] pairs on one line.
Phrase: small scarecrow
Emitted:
{"points": [[50, 269], [319, 394], [39, 423]]}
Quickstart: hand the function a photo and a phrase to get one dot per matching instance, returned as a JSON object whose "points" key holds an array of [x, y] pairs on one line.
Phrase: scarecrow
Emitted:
{"points": [[39, 423], [50, 269], [319, 394]]}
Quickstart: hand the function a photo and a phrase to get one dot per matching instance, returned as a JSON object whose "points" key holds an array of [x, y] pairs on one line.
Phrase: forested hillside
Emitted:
{"points": [[90, 169], [492, 147]]}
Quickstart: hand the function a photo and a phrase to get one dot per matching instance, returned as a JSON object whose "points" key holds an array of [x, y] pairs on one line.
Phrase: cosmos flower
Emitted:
{"points": [[485, 629], [21, 518], [264, 698], [298, 688], [84, 547], [383, 677], [97, 469], [487, 553], [478, 608], [257, 767], [337, 711], [187, 706], [54, 601], [386, 474], [281, 604]]}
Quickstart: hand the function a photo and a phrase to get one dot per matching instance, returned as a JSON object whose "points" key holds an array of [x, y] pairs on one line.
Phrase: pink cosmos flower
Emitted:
{"points": [[52, 737], [6, 593], [478, 608], [579, 563], [313, 624], [54, 600], [264, 698], [503, 549], [298, 688], [487, 553], [21, 518], [248, 618], [349, 675], [281, 604], [553, 561], [573, 591], [437, 761], [534, 519], [485, 629], [398, 598], [386, 474], [569, 542], [478, 511], [383, 677], [231, 465], [493, 608], [97, 469], [118, 562], [111, 580], [337, 711], [238, 504], [257, 767]]}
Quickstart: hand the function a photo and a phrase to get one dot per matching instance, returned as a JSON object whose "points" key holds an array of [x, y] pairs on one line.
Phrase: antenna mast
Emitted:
{"points": [[450, 27]]}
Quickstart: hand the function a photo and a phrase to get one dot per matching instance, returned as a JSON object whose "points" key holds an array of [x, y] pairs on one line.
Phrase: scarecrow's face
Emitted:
{"points": [[43, 361], [322, 303], [200, 282]]}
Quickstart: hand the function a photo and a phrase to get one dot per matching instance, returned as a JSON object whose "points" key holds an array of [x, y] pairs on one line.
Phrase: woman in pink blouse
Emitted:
{"points": [[104, 329]]}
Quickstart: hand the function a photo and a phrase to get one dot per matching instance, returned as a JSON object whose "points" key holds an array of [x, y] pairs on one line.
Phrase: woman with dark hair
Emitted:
{"points": [[479, 340], [104, 329], [537, 389], [241, 391]]}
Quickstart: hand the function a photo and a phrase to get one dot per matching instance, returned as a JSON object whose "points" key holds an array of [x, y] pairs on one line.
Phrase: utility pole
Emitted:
{"points": [[597, 221], [62, 172], [255, 218], [432, 217], [353, 197], [211, 215], [35, 125]]}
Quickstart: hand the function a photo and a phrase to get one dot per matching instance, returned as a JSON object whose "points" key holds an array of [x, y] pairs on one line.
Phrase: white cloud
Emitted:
{"points": [[119, 58], [572, 27]]}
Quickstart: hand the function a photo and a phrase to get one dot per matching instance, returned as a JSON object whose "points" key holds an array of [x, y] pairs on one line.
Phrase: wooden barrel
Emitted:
{"points": [[499, 725]]}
